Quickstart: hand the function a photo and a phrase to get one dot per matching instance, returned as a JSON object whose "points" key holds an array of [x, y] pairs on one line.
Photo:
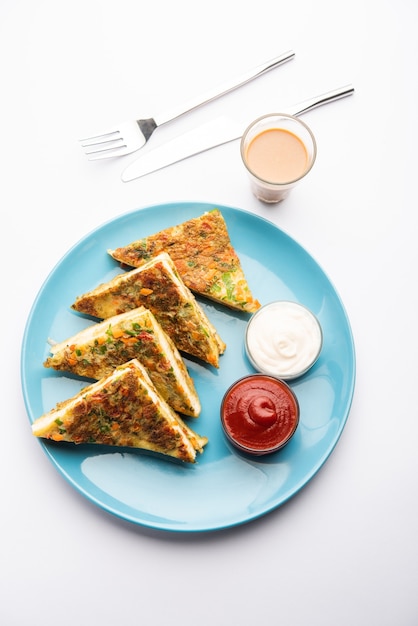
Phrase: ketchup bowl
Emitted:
{"points": [[259, 414]]}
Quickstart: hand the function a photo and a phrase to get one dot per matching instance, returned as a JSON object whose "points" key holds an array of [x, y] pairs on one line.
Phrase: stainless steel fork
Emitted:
{"points": [[131, 136]]}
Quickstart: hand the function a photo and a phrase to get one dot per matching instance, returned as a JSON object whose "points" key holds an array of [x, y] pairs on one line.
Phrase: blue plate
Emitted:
{"points": [[224, 488]]}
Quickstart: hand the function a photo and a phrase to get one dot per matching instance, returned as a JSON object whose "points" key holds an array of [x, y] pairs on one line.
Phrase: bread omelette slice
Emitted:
{"points": [[122, 409], [157, 286], [95, 351], [204, 257]]}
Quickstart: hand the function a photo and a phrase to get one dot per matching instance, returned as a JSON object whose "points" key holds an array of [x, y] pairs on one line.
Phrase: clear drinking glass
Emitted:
{"points": [[278, 150]]}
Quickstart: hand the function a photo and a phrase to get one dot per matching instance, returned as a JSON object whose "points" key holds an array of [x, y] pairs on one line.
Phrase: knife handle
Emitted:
{"points": [[317, 101], [163, 118]]}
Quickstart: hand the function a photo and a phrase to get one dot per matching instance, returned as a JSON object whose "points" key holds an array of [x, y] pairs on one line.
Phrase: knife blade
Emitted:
{"points": [[212, 134]]}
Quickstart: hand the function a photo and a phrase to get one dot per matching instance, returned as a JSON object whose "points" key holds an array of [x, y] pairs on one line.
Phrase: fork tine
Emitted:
{"points": [[106, 153], [100, 139], [104, 146]]}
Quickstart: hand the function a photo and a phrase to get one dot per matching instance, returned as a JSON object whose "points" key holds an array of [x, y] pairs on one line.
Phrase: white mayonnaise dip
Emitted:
{"points": [[283, 339]]}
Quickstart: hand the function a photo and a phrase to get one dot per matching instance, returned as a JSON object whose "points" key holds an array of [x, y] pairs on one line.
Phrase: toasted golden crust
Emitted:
{"points": [[123, 409], [98, 349], [157, 286], [204, 257]]}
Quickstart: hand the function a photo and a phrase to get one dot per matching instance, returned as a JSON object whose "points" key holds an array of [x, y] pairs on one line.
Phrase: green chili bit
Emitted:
{"points": [[226, 278], [215, 287]]}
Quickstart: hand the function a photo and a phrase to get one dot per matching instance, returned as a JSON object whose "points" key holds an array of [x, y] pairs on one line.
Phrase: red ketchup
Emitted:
{"points": [[259, 414]]}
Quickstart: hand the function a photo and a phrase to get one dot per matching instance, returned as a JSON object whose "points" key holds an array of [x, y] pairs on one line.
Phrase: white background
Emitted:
{"points": [[344, 551]]}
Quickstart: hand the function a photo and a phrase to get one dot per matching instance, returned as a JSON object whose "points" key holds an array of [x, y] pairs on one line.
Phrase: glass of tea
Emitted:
{"points": [[278, 150]]}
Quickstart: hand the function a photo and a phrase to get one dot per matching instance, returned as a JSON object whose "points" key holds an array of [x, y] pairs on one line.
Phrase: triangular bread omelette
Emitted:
{"points": [[157, 286], [204, 257], [95, 351], [122, 409]]}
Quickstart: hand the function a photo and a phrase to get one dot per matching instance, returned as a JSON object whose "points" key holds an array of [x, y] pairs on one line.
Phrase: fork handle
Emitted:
{"points": [[163, 118]]}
